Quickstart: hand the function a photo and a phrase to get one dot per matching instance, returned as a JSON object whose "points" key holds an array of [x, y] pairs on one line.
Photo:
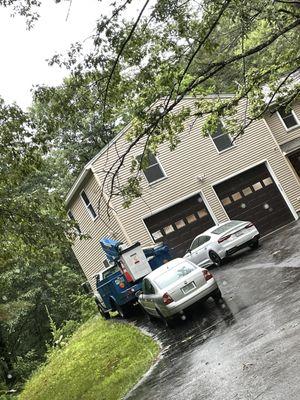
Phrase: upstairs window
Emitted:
{"points": [[72, 218], [88, 205], [288, 118], [154, 172], [221, 139]]}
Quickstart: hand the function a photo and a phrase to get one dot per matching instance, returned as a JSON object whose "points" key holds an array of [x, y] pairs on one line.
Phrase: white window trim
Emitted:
{"points": [[228, 148], [292, 127], [86, 206], [162, 169]]}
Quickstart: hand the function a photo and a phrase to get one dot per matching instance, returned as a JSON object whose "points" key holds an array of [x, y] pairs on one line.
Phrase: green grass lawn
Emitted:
{"points": [[102, 361]]}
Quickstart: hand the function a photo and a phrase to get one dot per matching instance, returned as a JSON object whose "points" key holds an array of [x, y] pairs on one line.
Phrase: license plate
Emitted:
{"points": [[188, 288]]}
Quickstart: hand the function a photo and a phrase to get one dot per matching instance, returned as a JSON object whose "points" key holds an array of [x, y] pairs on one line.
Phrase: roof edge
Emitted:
{"points": [[88, 166]]}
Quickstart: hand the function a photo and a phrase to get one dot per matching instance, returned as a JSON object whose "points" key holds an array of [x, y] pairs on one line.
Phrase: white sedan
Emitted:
{"points": [[220, 241]]}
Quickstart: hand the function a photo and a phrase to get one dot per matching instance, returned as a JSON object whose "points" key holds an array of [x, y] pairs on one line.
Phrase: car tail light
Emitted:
{"points": [[207, 275], [222, 239], [167, 299], [249, 225]]}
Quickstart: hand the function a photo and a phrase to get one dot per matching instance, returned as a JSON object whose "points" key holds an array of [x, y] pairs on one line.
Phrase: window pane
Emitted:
{"points": [[267, 181], [152, 160], [85, 198], [202, 213], [288, 117], [219, 131], [222, 142], [154, 173], [157, 235], [92, 211], [290, 121], [173, 275], [236, 196], [180, 224], [203, 239], [70, 215], [195, 244], [247, 191], [257, 186], [226, 201], [168, 229], [225, 227], [191, 218]]}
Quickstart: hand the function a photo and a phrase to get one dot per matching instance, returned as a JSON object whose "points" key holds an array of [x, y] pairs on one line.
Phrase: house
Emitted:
{"points": [[204, 181]]}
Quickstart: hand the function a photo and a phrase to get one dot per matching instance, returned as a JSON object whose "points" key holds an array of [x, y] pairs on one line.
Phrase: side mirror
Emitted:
{"points": [[138, 293]]}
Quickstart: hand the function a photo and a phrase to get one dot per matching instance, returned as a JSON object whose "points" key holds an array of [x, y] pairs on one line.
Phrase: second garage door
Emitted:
{"points": [[254, 196], [178, 225]]}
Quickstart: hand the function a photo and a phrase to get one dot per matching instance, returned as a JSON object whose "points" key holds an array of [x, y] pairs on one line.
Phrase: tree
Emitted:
{"points": [[37, 267], [170, 50]]}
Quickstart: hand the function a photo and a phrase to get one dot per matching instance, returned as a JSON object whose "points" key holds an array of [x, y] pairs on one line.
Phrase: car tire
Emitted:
{"points": [[255, 244], [168, 322], [215, 258], [124, 311], [151, 318], [217, 295], [104, 314]]}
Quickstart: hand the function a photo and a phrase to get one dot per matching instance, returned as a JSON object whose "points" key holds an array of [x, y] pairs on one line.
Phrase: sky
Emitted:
{"points": [[23, 53]]}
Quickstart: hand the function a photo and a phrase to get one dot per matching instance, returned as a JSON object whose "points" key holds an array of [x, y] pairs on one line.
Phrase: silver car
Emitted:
{"points": [[174, 286], [220, 241]]}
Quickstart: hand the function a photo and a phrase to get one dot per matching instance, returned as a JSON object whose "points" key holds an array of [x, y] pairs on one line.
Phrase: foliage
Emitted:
{"points": [[101, 361], [37, 267], [171, 49], [139, 71], [25, 8]]}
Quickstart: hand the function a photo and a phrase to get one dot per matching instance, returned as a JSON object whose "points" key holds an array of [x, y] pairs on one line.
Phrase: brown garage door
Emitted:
{"points": [[295, 161], [254, 196], [178, 225]]}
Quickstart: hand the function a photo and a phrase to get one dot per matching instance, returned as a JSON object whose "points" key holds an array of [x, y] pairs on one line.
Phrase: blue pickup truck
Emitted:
{"points": [[116, 288]]}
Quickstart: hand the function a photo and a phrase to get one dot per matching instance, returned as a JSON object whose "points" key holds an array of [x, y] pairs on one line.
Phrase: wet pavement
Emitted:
{"points": [[247, 347]]}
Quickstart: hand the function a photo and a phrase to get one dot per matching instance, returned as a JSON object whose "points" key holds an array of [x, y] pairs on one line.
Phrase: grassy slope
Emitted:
{"points": [[102, 361]]}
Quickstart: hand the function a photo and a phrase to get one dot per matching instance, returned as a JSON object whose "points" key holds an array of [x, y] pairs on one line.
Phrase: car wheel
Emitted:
{"points": [[151, 318], [124, 311], [217, 295], [104, 314], [215, 258], [168, 322], [255, 244]]}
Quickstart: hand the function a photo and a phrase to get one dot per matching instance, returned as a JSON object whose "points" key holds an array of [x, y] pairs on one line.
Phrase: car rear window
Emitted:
{"points": [[172, 275], [224, 228]]}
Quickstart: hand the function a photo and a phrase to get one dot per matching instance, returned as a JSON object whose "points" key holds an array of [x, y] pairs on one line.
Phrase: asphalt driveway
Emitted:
{"points": [[247, 348]]}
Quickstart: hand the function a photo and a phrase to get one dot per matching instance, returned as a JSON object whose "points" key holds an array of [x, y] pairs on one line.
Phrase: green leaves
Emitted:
{"points": [[37, 267]]}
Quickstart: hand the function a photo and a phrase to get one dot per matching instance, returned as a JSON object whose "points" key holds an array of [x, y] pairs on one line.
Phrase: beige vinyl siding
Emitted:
{"points": [[194, 156], [279, 131], [88, 251]]}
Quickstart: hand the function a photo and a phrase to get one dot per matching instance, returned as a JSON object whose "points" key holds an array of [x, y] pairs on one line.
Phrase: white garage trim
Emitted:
{"points": [[272, 173]]}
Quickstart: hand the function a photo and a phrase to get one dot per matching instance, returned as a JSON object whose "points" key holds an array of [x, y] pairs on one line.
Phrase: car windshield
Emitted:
{"points": [[172, 275], [110, 271], [225, 227]]}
